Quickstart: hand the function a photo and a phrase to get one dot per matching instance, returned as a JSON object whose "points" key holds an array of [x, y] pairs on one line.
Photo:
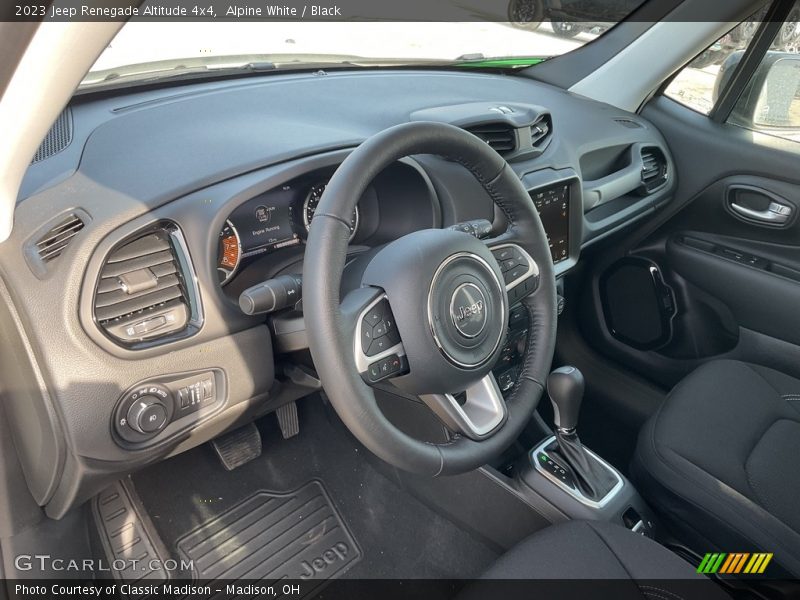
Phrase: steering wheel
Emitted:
{"points": [[432, 310]]}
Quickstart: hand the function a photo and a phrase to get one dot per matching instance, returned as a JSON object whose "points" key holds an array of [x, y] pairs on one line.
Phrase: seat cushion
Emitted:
{"points": [[719, 461], [595, 550]]}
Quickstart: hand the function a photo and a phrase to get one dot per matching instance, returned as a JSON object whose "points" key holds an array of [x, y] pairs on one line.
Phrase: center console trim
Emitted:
{"points": [[574, 492]]}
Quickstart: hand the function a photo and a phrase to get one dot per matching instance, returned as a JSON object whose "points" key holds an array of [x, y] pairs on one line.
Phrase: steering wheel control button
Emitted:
{"points": [[503, 254], [391, 331], [377, 346], [375, 315], [378, 330], [381, 355], [468, 310], [520, 272], [515, 273], [387, 367]]}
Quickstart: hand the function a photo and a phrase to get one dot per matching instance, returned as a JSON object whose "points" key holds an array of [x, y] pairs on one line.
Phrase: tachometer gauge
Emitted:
{"points": [[310, 207], [229, 253]]}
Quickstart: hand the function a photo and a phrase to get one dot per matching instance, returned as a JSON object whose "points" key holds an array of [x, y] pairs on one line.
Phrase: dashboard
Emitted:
{"points": [[138, 245]]}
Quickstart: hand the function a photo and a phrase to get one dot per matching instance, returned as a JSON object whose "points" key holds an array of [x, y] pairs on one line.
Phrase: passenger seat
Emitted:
{"points": [[720, 460]]}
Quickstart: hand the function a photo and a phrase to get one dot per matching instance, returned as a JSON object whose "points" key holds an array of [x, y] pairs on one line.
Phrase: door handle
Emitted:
{"points": [[775, 214]]}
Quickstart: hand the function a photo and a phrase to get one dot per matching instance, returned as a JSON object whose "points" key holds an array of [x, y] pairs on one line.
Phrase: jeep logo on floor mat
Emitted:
{"points": [[338, 553]]}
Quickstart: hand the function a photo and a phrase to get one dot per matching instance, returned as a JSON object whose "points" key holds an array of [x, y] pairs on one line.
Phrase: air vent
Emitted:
{"points": [[53, 243], [629, 123], [541, 131], [58, 138], [654, 169], [142, 294], [499, 136]]}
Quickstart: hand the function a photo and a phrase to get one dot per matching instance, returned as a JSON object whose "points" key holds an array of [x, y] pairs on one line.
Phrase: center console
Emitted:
{"points": [[562, 472]]}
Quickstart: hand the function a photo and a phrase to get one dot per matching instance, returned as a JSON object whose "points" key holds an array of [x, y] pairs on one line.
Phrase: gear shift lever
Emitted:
{"points": [[565, 387]]}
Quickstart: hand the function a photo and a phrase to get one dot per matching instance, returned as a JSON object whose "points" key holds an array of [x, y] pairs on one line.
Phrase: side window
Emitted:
{"points": [[698, 84], [769, 102]]}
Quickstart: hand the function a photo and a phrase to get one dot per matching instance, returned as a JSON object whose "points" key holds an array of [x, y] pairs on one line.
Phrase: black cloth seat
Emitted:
{"points": [[576, 551], [720, 462]]}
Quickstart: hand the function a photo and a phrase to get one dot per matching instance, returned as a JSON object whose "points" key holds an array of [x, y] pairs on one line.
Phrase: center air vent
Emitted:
{"points": [[144, 293], [501, 137], [654, 168]]}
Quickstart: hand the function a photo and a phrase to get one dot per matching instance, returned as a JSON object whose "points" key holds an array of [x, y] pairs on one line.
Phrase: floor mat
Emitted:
{"points": [[271, 536], [398, 536]]}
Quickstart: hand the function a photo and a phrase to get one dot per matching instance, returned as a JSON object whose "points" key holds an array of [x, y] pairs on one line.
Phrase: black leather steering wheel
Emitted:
{"points": [[431, 313]]}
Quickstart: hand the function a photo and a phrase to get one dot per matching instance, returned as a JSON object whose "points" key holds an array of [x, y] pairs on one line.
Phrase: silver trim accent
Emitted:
{"points": [[362, 360], [483, 411], [775, 214], [574, 492], [533, 268], [503, 318], [196, 316]]}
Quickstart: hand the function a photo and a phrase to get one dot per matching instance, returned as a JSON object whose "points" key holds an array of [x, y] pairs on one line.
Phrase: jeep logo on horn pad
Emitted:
{"points": [[468, 310]]}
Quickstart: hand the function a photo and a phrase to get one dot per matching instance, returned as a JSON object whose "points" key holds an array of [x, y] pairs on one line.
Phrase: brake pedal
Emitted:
{"points": [[238, 447], [288, 420]]}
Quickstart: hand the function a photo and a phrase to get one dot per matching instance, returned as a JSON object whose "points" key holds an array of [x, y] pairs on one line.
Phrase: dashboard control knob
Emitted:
{"points": [[147, 415]]}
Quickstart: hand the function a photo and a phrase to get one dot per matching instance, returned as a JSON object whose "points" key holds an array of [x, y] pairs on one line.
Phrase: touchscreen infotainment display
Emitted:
{"points": [[553, 206]]}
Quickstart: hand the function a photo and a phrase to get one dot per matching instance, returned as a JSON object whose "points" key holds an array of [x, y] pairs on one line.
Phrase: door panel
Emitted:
{"points": [[733, 273]]}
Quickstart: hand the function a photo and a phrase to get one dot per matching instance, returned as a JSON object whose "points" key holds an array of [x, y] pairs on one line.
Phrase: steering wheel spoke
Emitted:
{"points": [[476, 413], [520, 271], [378, 351]]}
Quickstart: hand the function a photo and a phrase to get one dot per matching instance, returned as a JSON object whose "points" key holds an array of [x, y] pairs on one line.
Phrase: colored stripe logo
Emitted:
{"points": [[735, 563]]}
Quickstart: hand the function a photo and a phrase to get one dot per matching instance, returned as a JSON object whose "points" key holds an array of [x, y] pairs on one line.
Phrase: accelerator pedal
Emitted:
{"points": [[238, 447], [288, 420]]}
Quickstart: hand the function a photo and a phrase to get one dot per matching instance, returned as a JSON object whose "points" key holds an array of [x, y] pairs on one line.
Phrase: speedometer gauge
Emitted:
{"points": [[310, 207], [229, 253]]}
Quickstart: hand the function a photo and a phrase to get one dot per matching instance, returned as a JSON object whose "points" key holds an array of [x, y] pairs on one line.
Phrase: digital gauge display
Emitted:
{"points": [[229, 253]]}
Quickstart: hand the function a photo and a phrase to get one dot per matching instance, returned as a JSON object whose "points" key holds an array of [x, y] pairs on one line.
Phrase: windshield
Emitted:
{"points": [[148, 50]]}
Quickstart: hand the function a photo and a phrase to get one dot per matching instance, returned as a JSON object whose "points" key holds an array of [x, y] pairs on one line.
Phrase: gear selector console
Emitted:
{"points": [[573, 478]]}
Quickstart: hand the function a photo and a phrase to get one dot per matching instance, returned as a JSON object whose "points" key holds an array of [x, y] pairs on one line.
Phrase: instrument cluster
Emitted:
{"points": [[276, 219]]}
